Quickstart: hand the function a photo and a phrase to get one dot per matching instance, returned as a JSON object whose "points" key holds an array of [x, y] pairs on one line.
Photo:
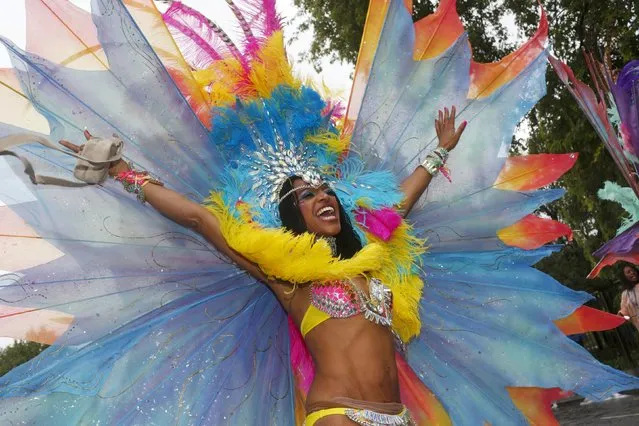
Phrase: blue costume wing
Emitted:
{"points": [[487, 314]]}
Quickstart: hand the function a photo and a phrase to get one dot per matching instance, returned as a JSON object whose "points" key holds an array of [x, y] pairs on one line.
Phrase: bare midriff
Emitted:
{"points": [[354, 358]]}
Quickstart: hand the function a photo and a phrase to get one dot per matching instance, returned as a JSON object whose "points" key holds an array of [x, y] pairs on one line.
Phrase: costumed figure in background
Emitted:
{"points": [[629, 306], [297, 279], [612, 110]]}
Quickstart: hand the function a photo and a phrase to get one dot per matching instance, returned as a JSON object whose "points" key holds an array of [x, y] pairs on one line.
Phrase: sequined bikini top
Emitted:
{"points": [[343, 299]]}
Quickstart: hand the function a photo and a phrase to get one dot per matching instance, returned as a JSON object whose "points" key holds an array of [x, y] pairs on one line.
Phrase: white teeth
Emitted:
{"points": [[324, 210]]}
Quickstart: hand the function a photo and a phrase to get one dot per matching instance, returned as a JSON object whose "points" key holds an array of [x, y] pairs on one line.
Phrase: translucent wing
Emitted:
{"points": [[417, 69], [488, 327], [622, 147], [594, 105], [621, 248]]}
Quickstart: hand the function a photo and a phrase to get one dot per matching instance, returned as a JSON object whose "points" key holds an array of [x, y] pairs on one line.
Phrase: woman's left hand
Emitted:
{"points": [[445, 127]]}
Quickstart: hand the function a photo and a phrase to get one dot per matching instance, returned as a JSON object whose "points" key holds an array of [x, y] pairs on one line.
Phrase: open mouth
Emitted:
{"points": [[326, 213]]}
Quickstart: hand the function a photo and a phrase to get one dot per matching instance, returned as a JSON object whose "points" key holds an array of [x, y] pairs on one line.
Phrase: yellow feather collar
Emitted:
{"points": [[301, 259]]}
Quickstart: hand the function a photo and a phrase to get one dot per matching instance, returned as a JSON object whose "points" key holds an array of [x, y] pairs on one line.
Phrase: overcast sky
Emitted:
{"points": [[12, 25]]}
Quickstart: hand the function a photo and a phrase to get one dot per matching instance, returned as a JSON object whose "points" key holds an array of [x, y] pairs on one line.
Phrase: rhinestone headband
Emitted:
{"points": [[295, 189]]}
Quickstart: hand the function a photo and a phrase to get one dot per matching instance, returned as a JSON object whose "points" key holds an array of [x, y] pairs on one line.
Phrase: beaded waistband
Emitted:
{"points": [[372, 418]]}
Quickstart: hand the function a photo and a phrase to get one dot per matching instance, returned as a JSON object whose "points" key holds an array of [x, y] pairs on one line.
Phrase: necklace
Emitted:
{"points": [[332, 243]]}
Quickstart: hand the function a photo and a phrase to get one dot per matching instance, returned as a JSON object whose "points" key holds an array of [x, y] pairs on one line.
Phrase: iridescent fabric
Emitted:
{"points": [[150, 325], [626, 95], [624, 246], [612, 110]]}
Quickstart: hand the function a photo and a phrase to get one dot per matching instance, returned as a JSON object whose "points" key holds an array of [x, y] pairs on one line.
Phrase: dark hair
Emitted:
{"points": [[627, 285], [347, 242]]}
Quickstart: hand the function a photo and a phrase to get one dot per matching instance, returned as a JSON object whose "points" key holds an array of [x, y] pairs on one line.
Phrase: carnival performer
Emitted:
{"points": [[354, 353], [385, 303]]}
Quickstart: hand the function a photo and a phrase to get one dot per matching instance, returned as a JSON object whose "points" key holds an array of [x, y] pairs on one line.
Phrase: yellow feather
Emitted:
{"points": [[306, 258], [272, 67], [335, 143], [302, 259], [406, 296], [221, 81], [397, 273]]}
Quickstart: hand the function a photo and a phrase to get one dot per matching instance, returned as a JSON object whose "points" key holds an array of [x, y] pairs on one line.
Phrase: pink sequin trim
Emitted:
{"points": [[336, 299]]}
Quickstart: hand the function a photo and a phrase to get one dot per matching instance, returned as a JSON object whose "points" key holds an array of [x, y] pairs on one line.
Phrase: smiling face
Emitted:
{"points": [[319, 208]]}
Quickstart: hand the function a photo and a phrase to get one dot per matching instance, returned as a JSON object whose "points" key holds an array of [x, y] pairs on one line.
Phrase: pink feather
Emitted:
{"points": [[335, 107], [251, 41], [381, 223], [261, 16], [203, 42], [262, 19], [301, 359], [200, 40]]}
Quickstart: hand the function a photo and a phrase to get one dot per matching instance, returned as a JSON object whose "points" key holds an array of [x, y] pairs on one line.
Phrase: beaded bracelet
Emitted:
{"points": [[441, 152], [435, 162], [134, 182]]}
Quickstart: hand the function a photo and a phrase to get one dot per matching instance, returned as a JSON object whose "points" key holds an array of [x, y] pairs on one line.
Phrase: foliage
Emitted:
{"points": [[18, 353], [338, 26]]}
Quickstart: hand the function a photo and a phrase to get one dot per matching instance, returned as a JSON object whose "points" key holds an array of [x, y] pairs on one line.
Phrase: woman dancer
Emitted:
{"points": [[151, 325]]}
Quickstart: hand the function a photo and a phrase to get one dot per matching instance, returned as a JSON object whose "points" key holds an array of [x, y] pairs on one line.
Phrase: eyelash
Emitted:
{"points": [[308, 195]]}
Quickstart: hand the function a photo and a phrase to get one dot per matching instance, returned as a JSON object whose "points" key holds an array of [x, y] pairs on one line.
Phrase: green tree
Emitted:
{"points": [[18, 353], [338, 26]]}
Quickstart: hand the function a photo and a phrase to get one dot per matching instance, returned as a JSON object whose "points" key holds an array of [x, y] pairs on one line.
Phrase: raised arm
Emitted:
{"points": [[415, 184], [192, 215]]}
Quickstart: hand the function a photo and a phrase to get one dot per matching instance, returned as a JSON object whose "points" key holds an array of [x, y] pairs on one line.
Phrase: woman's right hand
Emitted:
{"points": [[447, 133], [115, 168]]}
